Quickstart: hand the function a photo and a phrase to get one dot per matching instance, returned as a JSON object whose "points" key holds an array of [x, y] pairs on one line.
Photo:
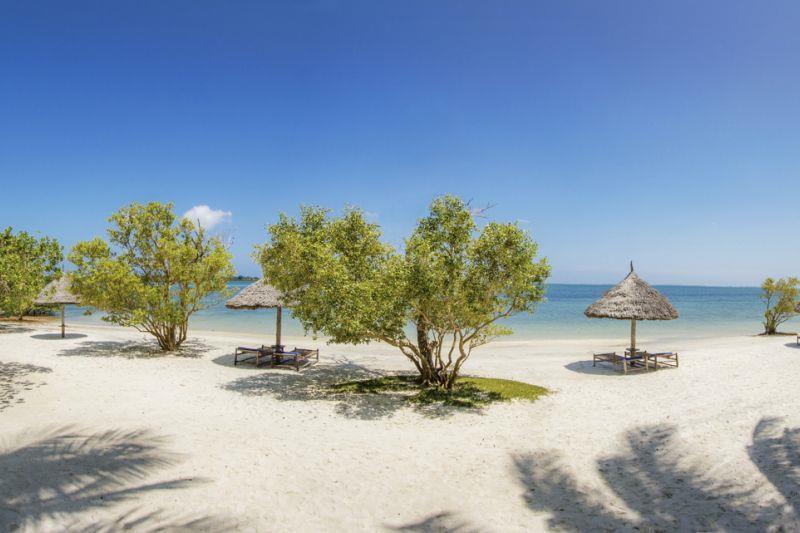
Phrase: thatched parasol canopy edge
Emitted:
{"points": [[57, 292], [258, 295], [632, 299]]}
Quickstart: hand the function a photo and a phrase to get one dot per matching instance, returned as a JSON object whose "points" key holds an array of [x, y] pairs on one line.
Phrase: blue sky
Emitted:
{"points": [[667, 133]]}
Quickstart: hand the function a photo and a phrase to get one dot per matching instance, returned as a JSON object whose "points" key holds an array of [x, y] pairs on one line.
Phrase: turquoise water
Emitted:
{"points": [[704, 312]]}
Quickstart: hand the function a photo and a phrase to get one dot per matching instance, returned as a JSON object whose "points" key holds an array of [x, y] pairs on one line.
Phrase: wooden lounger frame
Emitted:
{"points": [[299, 355], [258, 353], [666, 359], [627, 362], [621, 361]]}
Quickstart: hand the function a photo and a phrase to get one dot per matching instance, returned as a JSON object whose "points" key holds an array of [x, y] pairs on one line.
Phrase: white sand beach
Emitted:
{"points": [[99, 434]]}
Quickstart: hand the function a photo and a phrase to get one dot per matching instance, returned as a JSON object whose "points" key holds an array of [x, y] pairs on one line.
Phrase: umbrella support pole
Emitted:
{"points": [[63, 334], [633, 340], [278, 328]]}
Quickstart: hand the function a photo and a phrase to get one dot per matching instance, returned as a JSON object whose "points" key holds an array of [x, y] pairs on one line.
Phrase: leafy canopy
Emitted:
{"points": [[781, 298], [436, 300], [27, 264], [153, 273]]}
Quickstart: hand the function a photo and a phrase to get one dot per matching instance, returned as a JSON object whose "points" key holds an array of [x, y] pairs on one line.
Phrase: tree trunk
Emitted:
{"points": [[168, 339], [428, 373], [770, 325]]}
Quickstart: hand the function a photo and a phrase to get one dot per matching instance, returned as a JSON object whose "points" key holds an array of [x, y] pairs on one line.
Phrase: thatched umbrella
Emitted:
{"points": [[632, 299], [259, 295], [57, 292]]}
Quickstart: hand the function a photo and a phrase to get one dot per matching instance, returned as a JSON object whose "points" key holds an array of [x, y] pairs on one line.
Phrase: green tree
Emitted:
{"points": [[435, 301], [27, 264], [781, 298], [157, 275]]}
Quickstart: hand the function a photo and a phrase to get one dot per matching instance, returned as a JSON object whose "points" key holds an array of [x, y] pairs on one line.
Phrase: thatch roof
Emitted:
{"points": [[56, 292], [256, 296], [632, 298]]}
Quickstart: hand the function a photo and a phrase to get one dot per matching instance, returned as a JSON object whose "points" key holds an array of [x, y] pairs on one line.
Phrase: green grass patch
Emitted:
{"points": [[468, 392], [507, 389]]}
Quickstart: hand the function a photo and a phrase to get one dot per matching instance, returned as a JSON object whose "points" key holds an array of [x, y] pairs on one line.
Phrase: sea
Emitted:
{"points": [[704, 312]]}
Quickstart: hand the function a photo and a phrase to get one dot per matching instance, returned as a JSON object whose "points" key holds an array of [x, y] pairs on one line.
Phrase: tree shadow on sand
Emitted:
{"points": [[134, 350], [317, 383], [6, 328], [657, 485], [63, 477], [14, 378]]}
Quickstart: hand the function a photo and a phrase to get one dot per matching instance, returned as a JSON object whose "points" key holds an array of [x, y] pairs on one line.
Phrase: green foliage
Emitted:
{"points": [[27, 264], [467, 392], [157, 274], [781, 298], [450, 285]]}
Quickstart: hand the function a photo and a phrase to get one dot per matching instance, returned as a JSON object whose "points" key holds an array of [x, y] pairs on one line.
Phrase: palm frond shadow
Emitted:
{"points": [[438, 522], [14, 377], [776, 452], [63, 474], [659, 485]]}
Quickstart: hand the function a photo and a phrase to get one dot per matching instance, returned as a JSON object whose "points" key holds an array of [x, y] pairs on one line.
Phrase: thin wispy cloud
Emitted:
{"points": [[207, 217]]}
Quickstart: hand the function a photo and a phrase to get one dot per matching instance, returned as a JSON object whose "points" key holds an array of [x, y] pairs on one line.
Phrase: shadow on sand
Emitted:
{"points": [[133, 349], [316, 382], [659, 485], [57, 336], [14, 378], [63, 477], [227, 360], [7, 327], [585, 367], [439, 522]]}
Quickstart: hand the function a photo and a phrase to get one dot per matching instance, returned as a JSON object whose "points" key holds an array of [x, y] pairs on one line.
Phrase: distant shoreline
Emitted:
{"points": [[244, 278]]}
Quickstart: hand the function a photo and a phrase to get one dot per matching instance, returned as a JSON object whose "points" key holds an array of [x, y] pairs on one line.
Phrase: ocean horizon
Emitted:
{"points": [[705, 311]]}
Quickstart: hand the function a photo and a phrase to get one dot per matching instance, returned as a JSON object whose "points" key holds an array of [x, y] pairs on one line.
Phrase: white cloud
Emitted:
{"points": [[207, 217]]}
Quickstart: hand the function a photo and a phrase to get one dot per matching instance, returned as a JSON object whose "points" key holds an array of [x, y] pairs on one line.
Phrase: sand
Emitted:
{"points": [[98, 433]]}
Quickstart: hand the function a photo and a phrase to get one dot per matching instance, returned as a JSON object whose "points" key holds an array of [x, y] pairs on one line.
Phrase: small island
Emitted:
{"points": [[244, 278]]}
